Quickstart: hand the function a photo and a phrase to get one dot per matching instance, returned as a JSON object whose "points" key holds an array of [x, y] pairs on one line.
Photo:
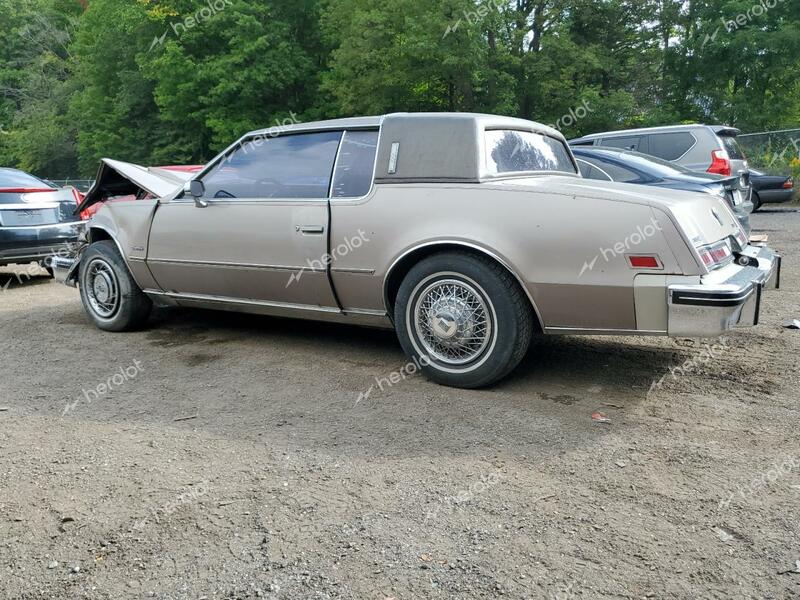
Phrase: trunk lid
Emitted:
{"points": [[704, 218], [36, 208]]}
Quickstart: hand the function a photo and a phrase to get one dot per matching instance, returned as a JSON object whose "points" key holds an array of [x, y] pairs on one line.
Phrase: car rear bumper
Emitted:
{"points": [[775, 196], [711, 308], [20, 245]]}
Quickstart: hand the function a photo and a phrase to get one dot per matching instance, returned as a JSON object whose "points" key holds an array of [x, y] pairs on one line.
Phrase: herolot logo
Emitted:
{"points": [[212, 9]]}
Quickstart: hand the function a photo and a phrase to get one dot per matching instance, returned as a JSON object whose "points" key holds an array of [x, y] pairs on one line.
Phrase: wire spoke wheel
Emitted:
{"points": [[452, 321], [102, 288]]}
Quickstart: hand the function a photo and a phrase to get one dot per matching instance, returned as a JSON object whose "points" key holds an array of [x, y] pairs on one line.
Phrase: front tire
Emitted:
{"points": [[463, 319], [110, 296], [756, 202]]}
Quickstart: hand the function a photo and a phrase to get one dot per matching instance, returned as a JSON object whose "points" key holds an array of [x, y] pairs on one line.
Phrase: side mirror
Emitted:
{"points": [[197, 189]]}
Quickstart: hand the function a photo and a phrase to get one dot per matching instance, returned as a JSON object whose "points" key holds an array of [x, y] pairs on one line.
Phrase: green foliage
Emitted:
{"points": [[35, 86], [175, 81]]}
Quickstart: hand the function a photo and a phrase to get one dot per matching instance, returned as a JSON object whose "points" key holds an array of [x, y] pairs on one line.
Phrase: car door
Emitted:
{"points": [[260, 231]]}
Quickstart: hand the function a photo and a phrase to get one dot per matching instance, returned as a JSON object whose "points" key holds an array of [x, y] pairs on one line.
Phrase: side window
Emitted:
{"points": [[626, 143], [356, 164], [290, 166], [589, 171], [670, 146], [619, 173]]}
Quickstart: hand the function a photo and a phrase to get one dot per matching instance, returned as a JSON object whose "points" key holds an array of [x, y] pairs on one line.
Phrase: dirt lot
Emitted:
{"points": [[229, 457]]}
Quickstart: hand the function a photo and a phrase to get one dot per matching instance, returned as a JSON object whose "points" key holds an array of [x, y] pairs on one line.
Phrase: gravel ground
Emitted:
{"points": [[225, 456]]}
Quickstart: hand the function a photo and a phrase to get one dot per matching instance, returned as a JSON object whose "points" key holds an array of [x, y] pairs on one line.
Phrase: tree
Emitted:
{"points": [[35, 132], [175, 81]]}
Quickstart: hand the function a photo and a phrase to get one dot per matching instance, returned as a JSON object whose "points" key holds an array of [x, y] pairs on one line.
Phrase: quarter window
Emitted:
{"points": [[355, 166], [590, 171], [510, 151], [670, 146], [617, 172], [733, 148], [290, 166]]}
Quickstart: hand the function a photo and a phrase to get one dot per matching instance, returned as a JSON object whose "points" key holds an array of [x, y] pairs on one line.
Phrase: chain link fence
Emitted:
{"points": [[82, 185], [774, 152]]}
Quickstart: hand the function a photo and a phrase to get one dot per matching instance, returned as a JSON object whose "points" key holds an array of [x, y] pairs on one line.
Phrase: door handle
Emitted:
{"points": [[310, 229]]}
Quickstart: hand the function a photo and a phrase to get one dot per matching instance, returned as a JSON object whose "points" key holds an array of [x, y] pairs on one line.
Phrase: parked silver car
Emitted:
{"points": [[37, 219], [465, 233]]}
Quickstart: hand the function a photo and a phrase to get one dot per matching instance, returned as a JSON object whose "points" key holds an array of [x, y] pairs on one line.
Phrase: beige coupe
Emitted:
{"points": [[465, 233]]}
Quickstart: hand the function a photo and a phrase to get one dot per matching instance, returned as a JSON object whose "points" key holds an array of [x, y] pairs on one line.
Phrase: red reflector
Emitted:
{"points": [[720, 163], [644, 262], [88, 213], [788, 184]]}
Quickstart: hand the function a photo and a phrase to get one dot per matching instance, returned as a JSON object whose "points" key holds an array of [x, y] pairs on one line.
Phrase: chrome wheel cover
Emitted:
{"points": [[102, 288], [452, 321]]}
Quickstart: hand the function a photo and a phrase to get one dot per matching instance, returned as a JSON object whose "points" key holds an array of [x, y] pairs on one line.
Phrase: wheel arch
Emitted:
{"points": [[406, 261], [98, 232]]}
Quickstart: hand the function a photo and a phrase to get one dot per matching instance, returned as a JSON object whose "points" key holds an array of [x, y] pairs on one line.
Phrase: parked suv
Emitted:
{"points": [[708, 148]]}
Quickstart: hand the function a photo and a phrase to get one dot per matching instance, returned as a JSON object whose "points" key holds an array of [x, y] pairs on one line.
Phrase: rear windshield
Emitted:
{"points": [[654, 165], [12, 178], [733, 148], [509, 151]]}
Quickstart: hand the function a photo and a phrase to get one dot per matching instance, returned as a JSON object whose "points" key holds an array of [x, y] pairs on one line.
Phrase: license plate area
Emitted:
{"points": [[28, 217]]}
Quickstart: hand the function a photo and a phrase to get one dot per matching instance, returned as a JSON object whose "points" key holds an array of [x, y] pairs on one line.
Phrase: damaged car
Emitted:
{"points": [[474, 233]]}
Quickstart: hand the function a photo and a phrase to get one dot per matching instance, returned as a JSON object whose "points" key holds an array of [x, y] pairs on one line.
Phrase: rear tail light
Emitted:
{"points": [[715, 255], [77, 195], [720, 163], [742, 238], [788, 184], [25, 190]]}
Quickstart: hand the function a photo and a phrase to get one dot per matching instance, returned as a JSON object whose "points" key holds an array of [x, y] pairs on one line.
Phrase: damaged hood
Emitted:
{"points": [[117, 178]]}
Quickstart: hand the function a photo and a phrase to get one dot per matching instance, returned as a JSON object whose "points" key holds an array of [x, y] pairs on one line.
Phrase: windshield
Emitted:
{"points": [[14, 179], [509, 151], [653, 165]]}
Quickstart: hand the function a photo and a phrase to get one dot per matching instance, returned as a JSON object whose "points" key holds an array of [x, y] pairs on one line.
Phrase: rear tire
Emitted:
{"points": [[463, 319], [757, 204], [110, 296]]}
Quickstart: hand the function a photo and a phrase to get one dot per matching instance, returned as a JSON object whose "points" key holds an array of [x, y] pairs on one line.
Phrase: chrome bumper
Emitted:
{"points": [[711, 308]]}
